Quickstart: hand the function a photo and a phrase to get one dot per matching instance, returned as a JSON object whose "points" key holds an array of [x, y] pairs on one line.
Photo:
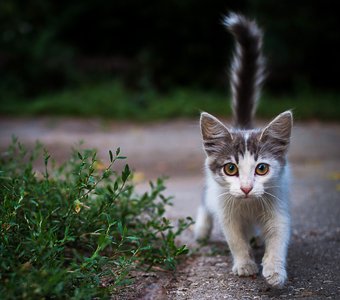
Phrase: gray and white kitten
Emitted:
{"points": [[246, 168]]}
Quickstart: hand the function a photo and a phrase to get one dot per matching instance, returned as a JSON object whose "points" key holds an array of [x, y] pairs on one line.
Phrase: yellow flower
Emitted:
{"points": [[138, 177], [79, 205], [99, 166]]}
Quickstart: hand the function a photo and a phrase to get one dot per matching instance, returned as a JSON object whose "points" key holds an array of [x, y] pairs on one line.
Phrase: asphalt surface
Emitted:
{"points": [[174, 149]]}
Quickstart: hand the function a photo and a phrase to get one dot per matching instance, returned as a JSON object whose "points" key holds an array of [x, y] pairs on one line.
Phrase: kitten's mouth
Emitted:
{"points": [[248, 197], [244, 197]]}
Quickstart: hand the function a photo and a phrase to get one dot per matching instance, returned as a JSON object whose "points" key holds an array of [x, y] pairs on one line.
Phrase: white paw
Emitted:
{"points": [[275, 275], [245, 268]]}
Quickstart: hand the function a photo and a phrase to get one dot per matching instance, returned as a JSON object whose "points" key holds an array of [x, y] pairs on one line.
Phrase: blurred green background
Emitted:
{"points": [[149, 60]]}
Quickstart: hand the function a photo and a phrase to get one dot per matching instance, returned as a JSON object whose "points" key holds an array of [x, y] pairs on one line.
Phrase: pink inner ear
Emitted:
{"points": [[280, 127], [211, 127]]}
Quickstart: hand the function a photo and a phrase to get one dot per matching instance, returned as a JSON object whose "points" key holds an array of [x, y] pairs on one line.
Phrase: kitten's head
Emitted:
{"points": [[246, 162]]}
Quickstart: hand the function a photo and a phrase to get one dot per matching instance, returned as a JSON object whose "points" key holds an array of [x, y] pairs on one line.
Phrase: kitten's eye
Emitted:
{"points": [[262, 169], [230, 169]]}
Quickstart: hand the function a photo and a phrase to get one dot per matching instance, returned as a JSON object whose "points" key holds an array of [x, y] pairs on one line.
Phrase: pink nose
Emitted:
{"points": [[246, 189]]}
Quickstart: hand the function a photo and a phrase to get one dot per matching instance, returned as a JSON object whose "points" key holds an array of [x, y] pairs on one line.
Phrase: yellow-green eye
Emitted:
{"points": [[262, 169], [230, 169]]}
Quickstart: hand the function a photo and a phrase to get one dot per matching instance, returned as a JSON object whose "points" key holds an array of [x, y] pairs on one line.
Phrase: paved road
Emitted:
{"points": [[174, 149]]}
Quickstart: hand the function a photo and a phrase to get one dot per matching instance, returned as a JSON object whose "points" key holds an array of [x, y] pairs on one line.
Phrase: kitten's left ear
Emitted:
{"points": [[278, 131], [216, 137]]}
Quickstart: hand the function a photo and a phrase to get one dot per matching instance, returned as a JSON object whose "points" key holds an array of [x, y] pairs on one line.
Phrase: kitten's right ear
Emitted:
{"points": [[280, 128], [277, 133], [215, 135]]}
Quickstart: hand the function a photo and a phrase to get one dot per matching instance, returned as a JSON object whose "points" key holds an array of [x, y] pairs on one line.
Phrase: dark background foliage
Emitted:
{"points": [[46, 45]]}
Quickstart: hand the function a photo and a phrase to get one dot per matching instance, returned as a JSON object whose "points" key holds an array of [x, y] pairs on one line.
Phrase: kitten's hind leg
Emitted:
{"points": [[204, 222]]}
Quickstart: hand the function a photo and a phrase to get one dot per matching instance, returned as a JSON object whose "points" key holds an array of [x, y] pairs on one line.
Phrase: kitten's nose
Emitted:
{"points": [[246, 189]]}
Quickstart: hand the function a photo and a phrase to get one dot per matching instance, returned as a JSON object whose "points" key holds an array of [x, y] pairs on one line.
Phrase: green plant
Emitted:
{"points": [[112, 101], [76, 231]]}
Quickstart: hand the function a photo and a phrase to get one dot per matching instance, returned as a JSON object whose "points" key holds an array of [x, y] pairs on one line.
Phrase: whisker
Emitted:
{"points": [[268, 205], [272, 195], [223, 194], [261, 203], [272, 186]]}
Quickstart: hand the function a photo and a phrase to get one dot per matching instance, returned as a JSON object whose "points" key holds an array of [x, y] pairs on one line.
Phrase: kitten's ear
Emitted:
{"points": [[215, 135], [278, 132]]}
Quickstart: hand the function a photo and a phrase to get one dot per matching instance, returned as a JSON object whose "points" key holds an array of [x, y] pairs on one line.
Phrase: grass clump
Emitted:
{"points": [[76, 231], [111, 100]]}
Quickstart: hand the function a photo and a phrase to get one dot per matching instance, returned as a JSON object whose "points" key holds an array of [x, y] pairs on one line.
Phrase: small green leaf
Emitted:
{"points": [[117, 151], [106, 174], [109, 188], [80, 156], [47, 157], [94, 156], [111, 156], [182, 250], [115, 187], [126, 172], [133, 238], [121, 157], [120, 228]]}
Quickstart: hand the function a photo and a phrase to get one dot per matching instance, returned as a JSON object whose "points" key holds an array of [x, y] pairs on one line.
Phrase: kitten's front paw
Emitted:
{"points": [[245, 268], [275, 275]]}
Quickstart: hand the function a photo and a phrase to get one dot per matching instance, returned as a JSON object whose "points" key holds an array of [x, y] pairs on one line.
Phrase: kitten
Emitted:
{"points": [[246, 169]]}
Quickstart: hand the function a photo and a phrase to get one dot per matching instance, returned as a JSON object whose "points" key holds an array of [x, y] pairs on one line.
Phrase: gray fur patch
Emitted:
{"points": [[236, 148], [222, 144], [269, 148], [253, 143]]}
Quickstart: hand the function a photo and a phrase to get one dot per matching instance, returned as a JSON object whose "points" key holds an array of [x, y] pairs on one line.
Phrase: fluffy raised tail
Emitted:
{"points": [[247, 69]]}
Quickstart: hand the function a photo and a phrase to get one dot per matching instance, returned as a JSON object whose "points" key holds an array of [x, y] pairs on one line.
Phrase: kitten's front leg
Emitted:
{"points": [[244, 264], [277, 232]]}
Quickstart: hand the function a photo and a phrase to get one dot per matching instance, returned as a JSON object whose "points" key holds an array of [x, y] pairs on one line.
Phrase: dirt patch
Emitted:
{"points": [[207, 275]]}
